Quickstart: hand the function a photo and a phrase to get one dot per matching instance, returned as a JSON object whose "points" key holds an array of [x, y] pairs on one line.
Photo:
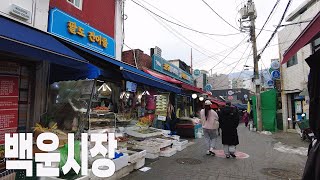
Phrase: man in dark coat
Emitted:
{"points": [[311, 171], [229, 121]]}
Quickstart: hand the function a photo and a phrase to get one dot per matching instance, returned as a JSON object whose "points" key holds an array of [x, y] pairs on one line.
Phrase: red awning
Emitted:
{"points": [[174, 81], [161, 76], [192, 88], [304, 38], [220, 103]]}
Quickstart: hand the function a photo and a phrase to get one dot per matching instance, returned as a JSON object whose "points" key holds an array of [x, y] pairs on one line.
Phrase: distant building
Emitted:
{"points": [[218, 82], [137, 58], [233, 95], [181, 64], [237, 83], [202, 79]]}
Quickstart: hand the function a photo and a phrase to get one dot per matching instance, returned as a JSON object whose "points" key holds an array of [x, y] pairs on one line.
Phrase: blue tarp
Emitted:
{"points": [[241, 106], [62, 73], [133, 74], [29, 43]]}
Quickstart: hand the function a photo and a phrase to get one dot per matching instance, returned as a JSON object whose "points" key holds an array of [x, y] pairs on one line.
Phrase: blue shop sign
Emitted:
{"points": [[161, 65], [197, 72], [275, 74], [208, 87], [71, 29], [270, 83]]}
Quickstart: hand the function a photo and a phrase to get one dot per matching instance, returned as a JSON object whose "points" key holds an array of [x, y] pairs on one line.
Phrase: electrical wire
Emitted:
{"points": [[185, 24], [243, 66], [228, 54], [274, 7], [170, 29], [134, 55], [275, 31], [182, 26], [220, 16], [234, 66]]}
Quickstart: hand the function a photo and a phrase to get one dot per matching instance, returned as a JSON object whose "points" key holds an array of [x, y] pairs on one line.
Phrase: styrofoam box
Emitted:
{"points": [[168, 152], [135, 154], [149, 149], [121, 162], [181, 142], [152, 155], [140, 163]]}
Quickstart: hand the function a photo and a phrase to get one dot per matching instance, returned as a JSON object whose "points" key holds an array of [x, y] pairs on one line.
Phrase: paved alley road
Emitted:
{"points": [[264, 162]]}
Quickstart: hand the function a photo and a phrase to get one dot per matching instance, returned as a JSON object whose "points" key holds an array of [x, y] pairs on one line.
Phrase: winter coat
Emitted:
{"points": [[229, 121], [311, 171]]}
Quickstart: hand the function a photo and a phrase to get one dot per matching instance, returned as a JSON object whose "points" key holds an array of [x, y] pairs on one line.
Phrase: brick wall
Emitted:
{"points": [[143, 60]]}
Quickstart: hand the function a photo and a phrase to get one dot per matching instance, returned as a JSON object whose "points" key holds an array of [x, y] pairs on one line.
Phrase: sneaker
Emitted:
{"points": [[212, 153], [208, 153], [227, 156], [233, 155]]}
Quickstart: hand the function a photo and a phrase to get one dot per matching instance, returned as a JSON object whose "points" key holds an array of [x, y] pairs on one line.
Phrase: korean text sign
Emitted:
{"points": [[161, 65], [80, 33], [9, 96], [20, 155]]}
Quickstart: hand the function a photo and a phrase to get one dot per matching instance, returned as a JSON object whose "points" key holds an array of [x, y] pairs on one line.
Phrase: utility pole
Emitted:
{"points": [[249, 14]]}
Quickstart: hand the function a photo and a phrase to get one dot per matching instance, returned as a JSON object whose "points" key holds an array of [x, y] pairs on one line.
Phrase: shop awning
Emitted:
{"points": [[133, 74], [28, 43], [307, 35], [220, 103], [191, 88], [62, 73], [174, 81], [161, 76]]}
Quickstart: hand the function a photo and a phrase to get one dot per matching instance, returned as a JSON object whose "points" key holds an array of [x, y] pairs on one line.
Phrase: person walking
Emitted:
{"points": [[245, 118], [229, 121], [210, 124]]}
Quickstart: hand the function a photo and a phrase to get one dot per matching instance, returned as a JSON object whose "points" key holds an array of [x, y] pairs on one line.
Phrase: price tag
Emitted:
{"points": [[161, 118]]}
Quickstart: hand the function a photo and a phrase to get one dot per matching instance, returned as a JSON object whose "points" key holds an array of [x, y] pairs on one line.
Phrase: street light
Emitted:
{"points": [[201, 98], [194, 96]]}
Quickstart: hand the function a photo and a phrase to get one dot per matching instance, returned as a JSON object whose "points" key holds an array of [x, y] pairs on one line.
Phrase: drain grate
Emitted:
{"points": [[190, 161], [280, 173]]}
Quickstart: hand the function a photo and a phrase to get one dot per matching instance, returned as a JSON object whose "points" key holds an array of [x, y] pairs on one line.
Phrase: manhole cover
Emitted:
{"points": [[281, 173], [190, 161]]}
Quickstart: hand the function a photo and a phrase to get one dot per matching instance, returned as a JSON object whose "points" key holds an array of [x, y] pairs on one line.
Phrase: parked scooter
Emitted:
{"points": [[306, 132]]}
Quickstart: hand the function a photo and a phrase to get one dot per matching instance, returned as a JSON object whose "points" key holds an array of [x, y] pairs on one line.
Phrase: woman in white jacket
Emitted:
{"points": [[210, 124]]}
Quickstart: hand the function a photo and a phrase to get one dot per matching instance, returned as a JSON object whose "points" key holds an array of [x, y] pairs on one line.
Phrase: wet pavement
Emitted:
{"points": [[261, 161]]}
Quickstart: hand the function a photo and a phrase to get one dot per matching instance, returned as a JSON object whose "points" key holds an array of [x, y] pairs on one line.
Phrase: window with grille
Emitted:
{"points": [[76, 3]]}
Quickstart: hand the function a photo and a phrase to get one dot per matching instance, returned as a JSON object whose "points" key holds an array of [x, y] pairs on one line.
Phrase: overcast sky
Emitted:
{"points": [[144, 31]]}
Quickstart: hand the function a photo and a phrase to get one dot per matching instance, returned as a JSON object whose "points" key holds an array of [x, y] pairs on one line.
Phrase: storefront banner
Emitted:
{"points": [[9, 97], [80, 33], [161, 65]]}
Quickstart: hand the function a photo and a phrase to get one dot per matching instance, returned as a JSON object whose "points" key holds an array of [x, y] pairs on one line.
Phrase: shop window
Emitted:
{"points": [[76, 3], [292, 61]]}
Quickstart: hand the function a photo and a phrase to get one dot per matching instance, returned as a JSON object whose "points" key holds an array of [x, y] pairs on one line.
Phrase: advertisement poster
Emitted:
{"points": [[9, 96]]}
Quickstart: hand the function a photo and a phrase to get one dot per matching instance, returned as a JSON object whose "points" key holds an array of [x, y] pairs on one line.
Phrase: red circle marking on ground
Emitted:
{"points": [[240, 155]]}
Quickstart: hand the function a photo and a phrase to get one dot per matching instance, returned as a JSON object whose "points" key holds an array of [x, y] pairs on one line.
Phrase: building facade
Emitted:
{"points": [[294, 73], [137, 58], [103, 15], [219, 82], [181, 64], [33, 13]]}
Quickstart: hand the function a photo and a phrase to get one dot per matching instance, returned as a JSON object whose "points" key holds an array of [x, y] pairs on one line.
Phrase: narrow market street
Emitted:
{"points": [[264, 162]]}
